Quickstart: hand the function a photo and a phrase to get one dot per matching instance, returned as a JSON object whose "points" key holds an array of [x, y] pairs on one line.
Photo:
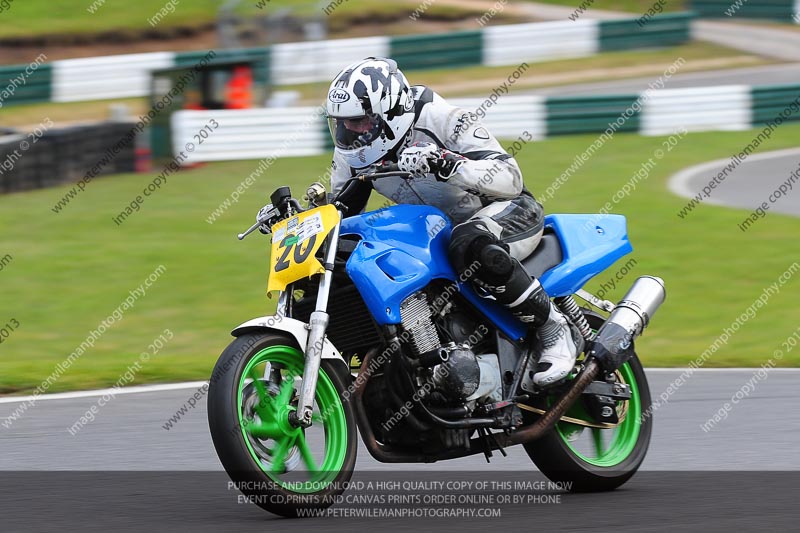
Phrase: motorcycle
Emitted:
{"points": [[375, 334]]}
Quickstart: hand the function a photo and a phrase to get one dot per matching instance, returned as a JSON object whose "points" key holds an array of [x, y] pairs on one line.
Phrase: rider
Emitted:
{"points": [[458, 166]]}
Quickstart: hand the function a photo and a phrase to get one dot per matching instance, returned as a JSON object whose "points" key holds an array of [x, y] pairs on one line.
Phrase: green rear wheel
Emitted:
{"points": [[598, 459], [282, 468]]}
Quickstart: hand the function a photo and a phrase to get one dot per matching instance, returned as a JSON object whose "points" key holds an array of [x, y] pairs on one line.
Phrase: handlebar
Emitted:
{"points": [[372, 173], [387, 170], [254, 227], [282, 198]]}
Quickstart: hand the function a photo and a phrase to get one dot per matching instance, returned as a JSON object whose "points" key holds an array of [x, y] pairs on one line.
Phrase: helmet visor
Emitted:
{"points": [[355, 132]]}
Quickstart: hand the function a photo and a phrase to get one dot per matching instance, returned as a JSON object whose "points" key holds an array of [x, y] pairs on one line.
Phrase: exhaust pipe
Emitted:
{"points": [[611, 348], [613, 345]]}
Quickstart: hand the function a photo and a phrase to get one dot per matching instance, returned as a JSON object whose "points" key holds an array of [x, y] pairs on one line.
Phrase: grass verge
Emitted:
{"points": [[630, 6], [70, 271], [43, 17]]}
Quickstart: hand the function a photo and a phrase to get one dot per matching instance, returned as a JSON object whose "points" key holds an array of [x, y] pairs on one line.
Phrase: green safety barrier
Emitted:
{"points": [[758, 9], [37, 86], [568, 115], [645, 32], [769, 101], [444, 50]]}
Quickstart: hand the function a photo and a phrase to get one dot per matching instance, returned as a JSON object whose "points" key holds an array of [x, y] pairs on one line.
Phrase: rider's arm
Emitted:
{"points": [[357, 194], [489, 170]]}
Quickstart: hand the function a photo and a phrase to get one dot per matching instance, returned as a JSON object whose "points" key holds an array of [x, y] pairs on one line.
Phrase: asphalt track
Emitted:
{"points": [[787, 73], [124, 471], [749, 185]]}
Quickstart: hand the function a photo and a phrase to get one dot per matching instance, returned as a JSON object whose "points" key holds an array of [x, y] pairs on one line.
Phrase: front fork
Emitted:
{"points": [[317, 325]]}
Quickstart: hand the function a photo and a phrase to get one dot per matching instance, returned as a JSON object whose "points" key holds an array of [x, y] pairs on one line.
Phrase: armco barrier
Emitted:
{"points": [[769, 101], [37, 86], [258, 133], [665, 30], [250, 133], [783, 10], [720, 108], [318, 61], [446, 50], [96, 78], [63, 156], [540, 41], [586, 114]]}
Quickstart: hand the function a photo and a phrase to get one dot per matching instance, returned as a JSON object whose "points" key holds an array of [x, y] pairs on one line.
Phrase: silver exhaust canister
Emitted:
{"points": [[613, 345]]}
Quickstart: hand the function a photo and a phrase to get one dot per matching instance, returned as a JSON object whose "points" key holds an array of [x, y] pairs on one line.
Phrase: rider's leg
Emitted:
{"points": [[498, 237]]}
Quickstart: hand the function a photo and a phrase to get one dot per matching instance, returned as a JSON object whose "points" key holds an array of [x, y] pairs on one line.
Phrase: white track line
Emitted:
{"points": [[679, 183], [197, 384], [102, 392], [711, 370]]}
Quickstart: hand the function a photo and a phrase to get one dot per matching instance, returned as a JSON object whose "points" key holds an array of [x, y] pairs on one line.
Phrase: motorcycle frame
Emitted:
{"points": [[311, 339]]}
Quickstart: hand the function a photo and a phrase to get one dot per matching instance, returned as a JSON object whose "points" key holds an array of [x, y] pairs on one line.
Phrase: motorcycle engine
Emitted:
{"points": [[450, 372]]}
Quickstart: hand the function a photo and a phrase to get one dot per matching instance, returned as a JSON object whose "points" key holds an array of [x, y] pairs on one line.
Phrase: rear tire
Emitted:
{"points": [[559, 458], [251, 390]]}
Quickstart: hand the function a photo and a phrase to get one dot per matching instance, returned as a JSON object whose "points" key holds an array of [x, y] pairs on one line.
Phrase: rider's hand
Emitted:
{"points": [[426, 158], [263, 212], [417, 158]]}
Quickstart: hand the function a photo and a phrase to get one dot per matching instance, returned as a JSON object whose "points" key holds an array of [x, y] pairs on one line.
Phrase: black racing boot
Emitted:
{"points": [[526, 299]]}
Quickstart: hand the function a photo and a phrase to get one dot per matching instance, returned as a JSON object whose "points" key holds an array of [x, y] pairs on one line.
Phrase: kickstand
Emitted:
{"points": [[491, 437], [488, 439], [483, 433]]}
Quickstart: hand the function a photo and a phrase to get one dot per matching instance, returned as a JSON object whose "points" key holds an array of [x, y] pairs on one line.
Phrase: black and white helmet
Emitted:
{"points": [[370, 110]]}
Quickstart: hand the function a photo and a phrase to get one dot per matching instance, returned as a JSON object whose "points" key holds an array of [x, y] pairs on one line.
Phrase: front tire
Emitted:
{"points": [[612, 456], [285, 470]]}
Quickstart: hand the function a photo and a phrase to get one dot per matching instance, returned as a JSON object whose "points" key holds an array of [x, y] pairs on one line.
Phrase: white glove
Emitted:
{"points": [[426, 158], [269, 212], [417, 158]]}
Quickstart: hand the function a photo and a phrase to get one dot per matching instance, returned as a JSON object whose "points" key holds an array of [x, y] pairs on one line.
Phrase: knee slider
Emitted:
{"points": [[496, 264], [467, 242]]}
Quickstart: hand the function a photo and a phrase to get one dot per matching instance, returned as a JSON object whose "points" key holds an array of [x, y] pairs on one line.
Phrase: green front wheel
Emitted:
{"points": [[286, 470]]}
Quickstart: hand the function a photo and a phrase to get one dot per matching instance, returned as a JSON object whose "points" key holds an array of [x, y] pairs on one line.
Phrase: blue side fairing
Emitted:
{"points": [[403, 249], [590, 244]]}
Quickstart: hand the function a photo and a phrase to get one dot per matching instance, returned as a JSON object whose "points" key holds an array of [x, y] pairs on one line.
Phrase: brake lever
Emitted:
{"points": [[385, 170], [389, 174], [252, 228], [269, 215]]}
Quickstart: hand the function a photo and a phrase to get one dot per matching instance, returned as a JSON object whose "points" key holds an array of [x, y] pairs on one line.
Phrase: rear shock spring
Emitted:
{"points": [[569, 307]]}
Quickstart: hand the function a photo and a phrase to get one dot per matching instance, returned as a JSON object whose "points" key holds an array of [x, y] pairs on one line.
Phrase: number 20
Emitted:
{"points": [[299, 255]]}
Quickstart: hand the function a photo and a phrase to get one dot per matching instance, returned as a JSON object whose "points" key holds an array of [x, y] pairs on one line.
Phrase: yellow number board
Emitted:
{"points": [[295, 241]]}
